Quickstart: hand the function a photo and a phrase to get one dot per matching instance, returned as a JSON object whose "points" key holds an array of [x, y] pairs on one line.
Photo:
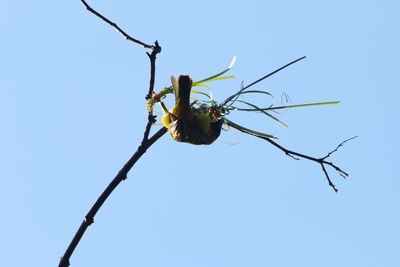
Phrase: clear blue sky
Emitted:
{"points": [[72, 112]]}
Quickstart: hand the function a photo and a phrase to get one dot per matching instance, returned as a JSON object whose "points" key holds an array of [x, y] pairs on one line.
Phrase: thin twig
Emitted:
{"points": [[152, 56], [341, 144], [115, 26], [296, 155], [322, 161]]}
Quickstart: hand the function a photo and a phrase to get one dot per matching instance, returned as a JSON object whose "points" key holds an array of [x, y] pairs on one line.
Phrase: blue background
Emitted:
{"points": [[72, 111]]}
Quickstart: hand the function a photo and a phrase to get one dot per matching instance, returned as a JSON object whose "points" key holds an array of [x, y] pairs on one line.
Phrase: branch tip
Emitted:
{"points": [[340, 145], [156, 47], [115, 26]]}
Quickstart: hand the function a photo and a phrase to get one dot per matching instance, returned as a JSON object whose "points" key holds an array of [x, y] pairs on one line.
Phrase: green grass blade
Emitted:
{"points": [[256, 108], [201, 93], [247, 130], [295, 106], [213, 77], [306, 105]]}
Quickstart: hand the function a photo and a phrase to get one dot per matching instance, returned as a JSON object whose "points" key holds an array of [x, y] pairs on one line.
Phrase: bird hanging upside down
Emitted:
{"points": [[186, 123]]}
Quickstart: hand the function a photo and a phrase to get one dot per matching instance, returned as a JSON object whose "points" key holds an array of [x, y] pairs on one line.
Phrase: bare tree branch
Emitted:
{"points": [[115, 26], [152, 57], [296, 155], [142, 148], [322, 161], [122, 174]]}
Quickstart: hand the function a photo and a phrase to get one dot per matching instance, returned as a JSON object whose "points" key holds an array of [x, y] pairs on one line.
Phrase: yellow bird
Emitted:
{"points": [[186, 123]]}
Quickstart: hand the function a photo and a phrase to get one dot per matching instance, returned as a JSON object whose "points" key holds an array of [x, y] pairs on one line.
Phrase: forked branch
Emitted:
{"points": [[322, 161], [296, 155], [142, 148]]}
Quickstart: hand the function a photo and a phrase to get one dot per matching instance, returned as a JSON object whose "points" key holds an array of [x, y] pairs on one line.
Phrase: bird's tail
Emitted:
{"points": [[182, 88]]}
